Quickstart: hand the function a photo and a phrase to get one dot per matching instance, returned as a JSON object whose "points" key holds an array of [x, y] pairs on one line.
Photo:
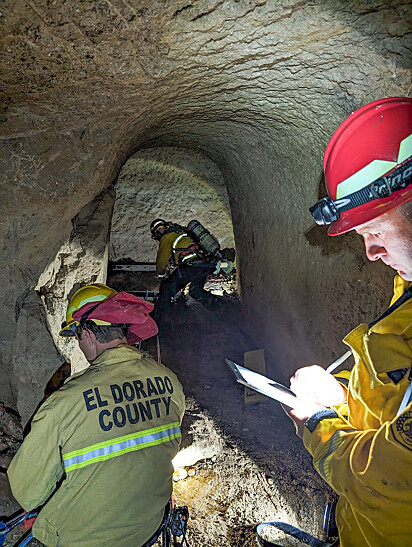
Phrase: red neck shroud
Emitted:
{"points": [[123, 307]]}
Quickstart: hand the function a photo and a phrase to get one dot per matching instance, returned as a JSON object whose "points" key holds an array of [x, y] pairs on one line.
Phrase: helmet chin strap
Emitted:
{"points": [[328, 210]]}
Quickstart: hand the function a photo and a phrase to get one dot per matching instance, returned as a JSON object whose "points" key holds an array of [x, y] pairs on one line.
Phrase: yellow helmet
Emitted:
{"points": [[89, 293]]}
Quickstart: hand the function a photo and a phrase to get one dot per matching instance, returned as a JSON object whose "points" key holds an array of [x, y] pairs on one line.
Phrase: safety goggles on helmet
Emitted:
{"points": [[85, 295], [367, 165]]}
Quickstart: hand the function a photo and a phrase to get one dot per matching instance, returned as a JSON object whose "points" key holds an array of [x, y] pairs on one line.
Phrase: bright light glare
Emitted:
{"points": [[189, 456]]}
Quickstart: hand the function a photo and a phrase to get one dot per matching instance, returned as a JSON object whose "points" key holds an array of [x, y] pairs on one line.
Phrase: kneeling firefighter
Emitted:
{"points": [[99, 454], [187, 255]]}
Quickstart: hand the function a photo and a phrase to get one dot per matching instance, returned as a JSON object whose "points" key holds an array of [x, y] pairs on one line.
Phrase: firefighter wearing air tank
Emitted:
{"points": [[99, 453], [357, 426], [186, 255]]}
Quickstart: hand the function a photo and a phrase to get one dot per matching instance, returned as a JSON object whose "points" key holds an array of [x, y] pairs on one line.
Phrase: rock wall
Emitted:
{"points": [[38, 350], [259, 86], [82, 259], [171, 183]]}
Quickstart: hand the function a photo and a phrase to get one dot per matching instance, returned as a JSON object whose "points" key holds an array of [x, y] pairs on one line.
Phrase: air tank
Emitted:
{"points": [[206, 241]]}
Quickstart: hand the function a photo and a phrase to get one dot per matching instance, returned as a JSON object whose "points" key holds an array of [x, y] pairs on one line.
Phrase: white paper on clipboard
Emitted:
{"points": [[263, 385]]}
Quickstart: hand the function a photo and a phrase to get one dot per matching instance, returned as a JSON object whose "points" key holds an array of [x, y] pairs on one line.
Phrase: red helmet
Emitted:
{"points": [[370, 143]]}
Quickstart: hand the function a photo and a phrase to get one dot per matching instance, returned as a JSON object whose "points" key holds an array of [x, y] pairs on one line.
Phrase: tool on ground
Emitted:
{"points": [[173, 526], [263, 385], [8, 523], [289, 530], [177, 525]]}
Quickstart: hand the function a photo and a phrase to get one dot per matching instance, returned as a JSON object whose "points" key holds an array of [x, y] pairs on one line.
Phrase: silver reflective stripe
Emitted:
{"points": [[122, 445], [189, 257], [182, 258], [334, 442]]}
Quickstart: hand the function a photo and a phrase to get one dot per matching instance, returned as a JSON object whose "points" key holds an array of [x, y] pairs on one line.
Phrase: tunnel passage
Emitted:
{"points": [[169, 183], [258, 86], [174, 184], [115, 226], [195, 346]]}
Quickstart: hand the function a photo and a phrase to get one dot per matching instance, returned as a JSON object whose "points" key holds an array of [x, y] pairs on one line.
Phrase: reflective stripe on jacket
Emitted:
{"points": [[364, 449], [170, 246], [110, 434]]}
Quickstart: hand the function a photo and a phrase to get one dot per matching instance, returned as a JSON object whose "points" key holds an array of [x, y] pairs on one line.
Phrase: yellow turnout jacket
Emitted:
{"points": [[109, 435], [363, 448], [170, 247]]}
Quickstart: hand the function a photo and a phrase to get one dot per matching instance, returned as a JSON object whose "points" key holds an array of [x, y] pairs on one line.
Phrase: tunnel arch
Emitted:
{"points": [[171, 183], [259, 87], [84, 256]]}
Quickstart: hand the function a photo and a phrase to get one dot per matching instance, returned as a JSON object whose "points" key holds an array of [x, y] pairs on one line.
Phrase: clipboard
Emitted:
{"points": [[263, 385]]}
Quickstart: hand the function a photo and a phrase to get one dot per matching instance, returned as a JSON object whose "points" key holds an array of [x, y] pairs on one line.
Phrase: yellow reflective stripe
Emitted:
{"points": [[405, 149], [121, 445], [96, 298], [363, 177], [118, 440]]}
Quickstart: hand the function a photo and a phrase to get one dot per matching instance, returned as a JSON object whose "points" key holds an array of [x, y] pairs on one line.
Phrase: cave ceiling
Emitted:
{"points": [[257, 86]]}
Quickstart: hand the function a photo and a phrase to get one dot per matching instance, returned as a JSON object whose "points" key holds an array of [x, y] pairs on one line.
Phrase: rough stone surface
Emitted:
{"points": [[174, 184], [82, 259], [258, 86], [35, 356]]}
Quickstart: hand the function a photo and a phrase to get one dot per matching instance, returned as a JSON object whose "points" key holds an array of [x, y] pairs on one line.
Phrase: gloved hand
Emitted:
{"points": [[313, 384], [301, 414], [225, 266]]}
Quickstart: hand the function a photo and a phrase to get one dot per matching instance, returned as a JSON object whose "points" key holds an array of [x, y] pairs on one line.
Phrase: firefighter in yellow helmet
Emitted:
{"points": [[85, 295], [99, 454], [358, 425]]}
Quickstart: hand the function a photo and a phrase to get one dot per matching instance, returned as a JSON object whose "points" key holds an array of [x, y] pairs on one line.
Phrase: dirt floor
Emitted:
{"points": [[252, 467], [240, 464]]}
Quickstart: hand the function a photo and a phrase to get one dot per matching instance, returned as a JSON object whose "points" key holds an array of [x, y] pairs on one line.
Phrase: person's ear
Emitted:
{"points": [[89, 336]]}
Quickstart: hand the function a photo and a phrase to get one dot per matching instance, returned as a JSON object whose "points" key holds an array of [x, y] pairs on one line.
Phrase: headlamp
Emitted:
{"points": [[328, 210], [324, 211]]}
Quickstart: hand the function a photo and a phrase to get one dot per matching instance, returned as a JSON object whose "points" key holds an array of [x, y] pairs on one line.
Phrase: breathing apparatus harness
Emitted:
{"points": [[328, 210], [206, 246]]}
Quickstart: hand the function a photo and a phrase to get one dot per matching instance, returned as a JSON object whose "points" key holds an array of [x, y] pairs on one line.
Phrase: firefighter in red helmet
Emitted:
{"points": [[359, 424]]}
